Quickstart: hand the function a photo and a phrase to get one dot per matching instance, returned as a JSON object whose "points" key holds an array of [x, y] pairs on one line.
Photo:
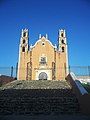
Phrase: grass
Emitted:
{"points": [[87, 87]]}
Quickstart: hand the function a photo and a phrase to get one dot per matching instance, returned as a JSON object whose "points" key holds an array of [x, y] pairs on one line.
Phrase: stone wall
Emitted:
{"points": [[5, 79]]}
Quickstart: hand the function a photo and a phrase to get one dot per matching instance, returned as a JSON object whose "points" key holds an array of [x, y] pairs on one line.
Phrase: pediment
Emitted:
{"points": [[43, 39]]}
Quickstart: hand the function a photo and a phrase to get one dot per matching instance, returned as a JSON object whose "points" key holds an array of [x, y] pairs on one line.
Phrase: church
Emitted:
{"points": [[43, 60]]}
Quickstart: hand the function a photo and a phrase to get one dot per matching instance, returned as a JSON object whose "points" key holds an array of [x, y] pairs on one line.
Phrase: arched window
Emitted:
{"points": [[62, 49], [23, 49], [24, 41], [61, 34], [62, 41], [24, 34], [42, 76]]}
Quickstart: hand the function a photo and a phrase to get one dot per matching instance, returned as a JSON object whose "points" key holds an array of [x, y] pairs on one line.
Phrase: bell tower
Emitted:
{"points": [[63, 54], [23, 53], [62, 41], [24, 41]]}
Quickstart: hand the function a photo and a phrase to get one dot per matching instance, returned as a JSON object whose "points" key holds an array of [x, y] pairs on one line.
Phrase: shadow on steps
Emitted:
{"points": [[38, 101]]}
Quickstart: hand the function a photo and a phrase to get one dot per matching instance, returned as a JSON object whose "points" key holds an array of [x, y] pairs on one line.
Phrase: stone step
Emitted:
{"points": [[41, 99], [39, 105], [37, 84], [36, 93]]}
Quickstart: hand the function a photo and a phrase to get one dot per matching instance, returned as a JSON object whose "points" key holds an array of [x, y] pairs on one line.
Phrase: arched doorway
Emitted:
{"points": [[42, 76]]}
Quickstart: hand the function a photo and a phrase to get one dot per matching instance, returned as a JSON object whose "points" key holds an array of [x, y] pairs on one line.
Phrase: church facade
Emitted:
{"points": [[43, 60]]}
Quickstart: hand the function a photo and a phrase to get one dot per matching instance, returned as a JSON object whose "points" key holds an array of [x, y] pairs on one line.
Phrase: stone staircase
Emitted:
{"points": [[37, 97]]}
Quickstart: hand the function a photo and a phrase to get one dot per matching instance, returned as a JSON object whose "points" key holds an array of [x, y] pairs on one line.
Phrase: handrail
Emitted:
{"points": [[78, 83]]}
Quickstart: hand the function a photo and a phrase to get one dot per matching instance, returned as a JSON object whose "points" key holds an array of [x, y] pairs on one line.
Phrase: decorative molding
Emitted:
{"points": [[41, 40]]}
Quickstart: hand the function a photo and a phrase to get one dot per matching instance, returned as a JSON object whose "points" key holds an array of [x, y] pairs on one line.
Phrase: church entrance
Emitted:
{"points": [[42, 76]]}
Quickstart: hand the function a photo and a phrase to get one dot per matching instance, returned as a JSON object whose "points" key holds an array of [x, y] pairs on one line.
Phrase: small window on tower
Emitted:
{"points": [[61, 34], [23, 41], [23, 49], [62, 49], [62, 41], [24, 34]]}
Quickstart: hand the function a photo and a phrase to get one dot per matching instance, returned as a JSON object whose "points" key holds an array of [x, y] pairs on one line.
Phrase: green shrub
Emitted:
{"points": [[86, 86]]}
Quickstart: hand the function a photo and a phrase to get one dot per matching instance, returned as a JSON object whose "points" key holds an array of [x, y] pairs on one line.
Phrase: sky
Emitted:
{"points": [[45, 17]]}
